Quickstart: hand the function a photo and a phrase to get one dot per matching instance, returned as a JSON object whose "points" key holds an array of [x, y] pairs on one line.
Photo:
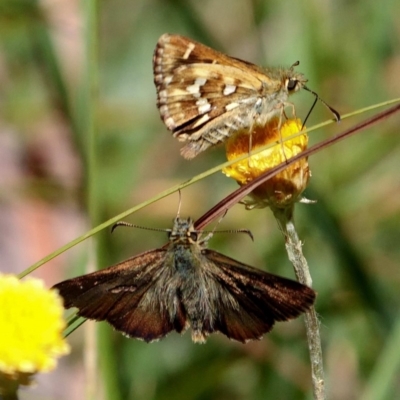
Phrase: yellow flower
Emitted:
{"points": [[285, 188], [31, 326]]}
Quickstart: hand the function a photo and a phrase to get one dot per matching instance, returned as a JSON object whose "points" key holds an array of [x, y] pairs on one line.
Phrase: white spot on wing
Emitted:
{"points": [[231, 106], [202, 120], [229, 89], [189, 49], [170, 123], [201, 101], [167, 80], [195, 88], [164, 110], [204, 108], [203, 105], [200, 81]]}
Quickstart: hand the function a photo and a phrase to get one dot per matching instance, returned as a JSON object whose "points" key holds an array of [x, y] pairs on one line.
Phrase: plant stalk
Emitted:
{"points": [[293, 245]]}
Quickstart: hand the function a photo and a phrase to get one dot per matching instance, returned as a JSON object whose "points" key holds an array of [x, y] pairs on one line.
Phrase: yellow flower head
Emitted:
{"points": [[31, 326], [285, 188]]}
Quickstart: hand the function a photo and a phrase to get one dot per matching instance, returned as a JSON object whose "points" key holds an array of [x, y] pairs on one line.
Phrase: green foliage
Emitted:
{"points": [[51, 94]]}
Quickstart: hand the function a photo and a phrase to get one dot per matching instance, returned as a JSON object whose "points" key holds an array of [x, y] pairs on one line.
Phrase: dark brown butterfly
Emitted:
{"points": [[181, 285]]}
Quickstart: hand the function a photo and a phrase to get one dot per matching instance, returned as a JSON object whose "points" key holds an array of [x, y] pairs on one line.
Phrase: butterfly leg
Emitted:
{"points": [[282, 114]]}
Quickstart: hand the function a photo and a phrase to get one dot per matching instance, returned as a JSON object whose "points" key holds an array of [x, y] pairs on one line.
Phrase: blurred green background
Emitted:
{"points": [[68, 69]]}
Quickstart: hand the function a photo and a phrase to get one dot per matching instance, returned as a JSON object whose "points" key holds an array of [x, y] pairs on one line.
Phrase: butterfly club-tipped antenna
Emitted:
{"points": [[129, 225], [331, 109], [211, 233]]}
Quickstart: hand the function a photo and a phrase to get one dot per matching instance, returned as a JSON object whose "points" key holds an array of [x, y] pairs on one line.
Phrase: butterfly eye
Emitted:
{"points": [[291, 84], [194, 236]]}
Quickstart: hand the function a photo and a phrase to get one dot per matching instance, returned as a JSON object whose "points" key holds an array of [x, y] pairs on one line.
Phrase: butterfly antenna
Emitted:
{"points": [[179, 203], [332, 110], [129, 225], [211, 233], [247, 231]]}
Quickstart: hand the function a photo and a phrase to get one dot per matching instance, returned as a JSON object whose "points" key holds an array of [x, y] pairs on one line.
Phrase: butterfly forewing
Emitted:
{"points": [[260, 298], [118, 295], [205, 96]]}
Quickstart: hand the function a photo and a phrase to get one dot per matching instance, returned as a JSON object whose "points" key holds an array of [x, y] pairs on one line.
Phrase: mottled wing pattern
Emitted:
{"points": [[117, 295], [203, 95], [261, 298]]}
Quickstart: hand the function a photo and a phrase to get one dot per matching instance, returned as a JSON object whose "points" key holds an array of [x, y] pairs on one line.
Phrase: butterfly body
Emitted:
{"points": [[205, 96], [183, 284]]}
